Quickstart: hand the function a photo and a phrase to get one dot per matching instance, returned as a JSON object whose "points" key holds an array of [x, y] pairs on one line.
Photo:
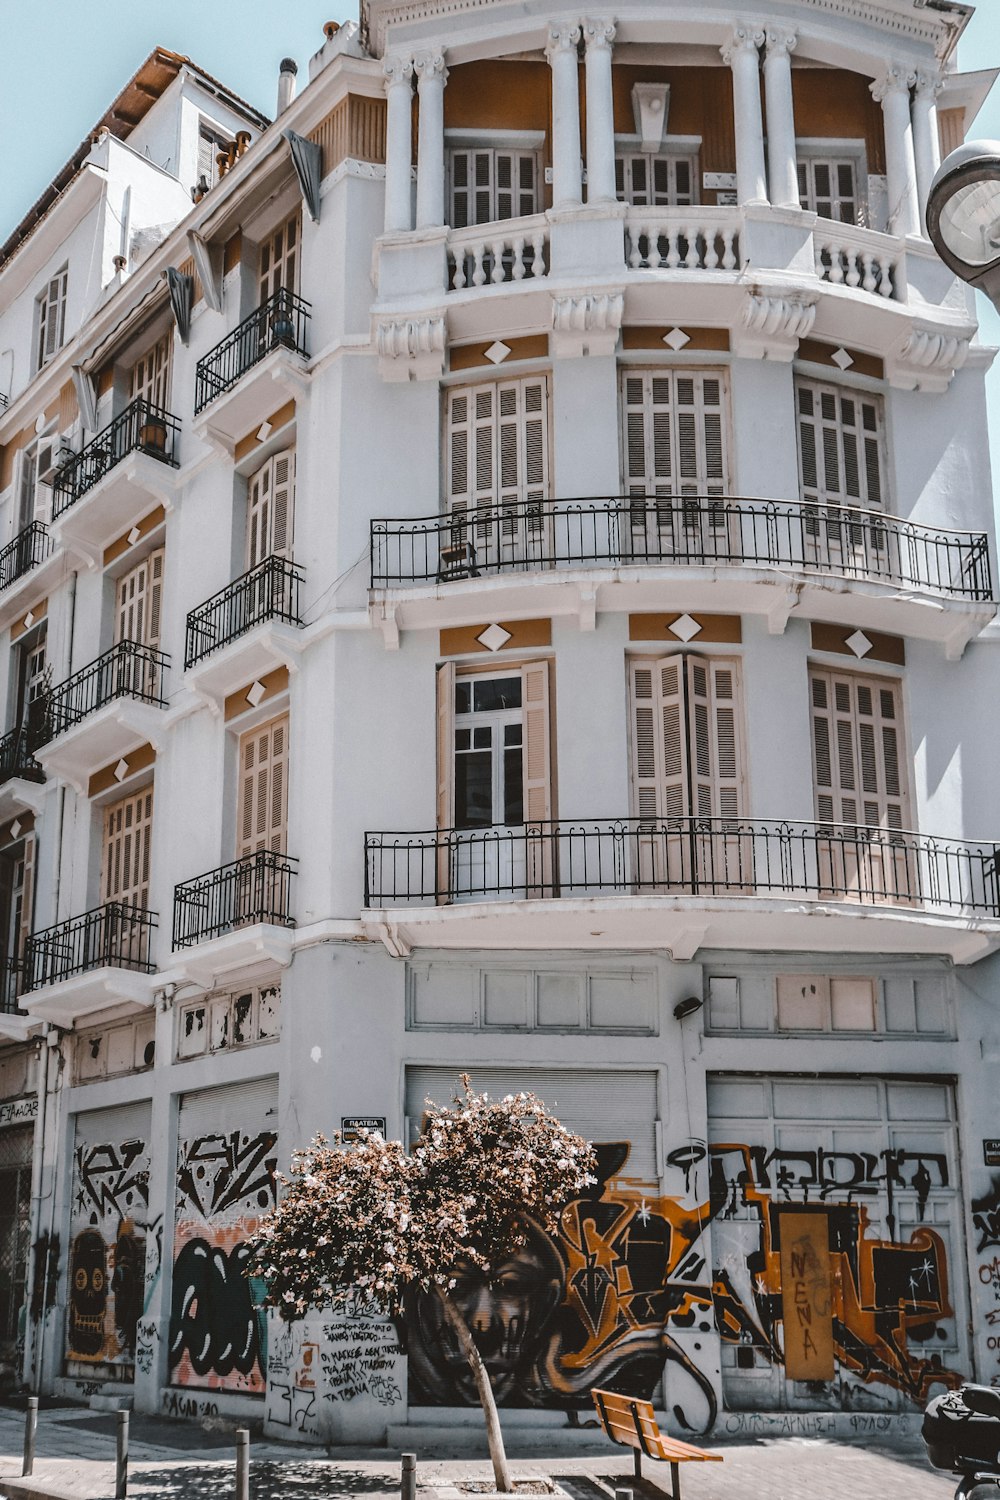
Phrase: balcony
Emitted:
{"points": [[239, 915], [89, 962], [682, 239], [14, 1023], [492, 254], [106, 709], [688, 883], [20, 776], [254, 370], [271, 591], [115, 479], [29, 548], [891, 569]]}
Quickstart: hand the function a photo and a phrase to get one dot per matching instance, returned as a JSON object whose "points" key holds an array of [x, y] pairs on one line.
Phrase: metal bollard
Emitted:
{"points": [[121, 1458], [623, 1495], [408, 1477], [242, 1463], [30, 1432]]}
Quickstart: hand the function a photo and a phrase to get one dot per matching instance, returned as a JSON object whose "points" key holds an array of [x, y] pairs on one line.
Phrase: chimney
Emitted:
{"points": [[286, 83]]}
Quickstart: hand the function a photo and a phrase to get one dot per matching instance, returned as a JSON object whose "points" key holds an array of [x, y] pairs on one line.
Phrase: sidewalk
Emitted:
{"points": [[179, 1461]]}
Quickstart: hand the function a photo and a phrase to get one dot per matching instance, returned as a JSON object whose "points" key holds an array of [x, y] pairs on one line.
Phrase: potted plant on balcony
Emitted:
{"points": [[153, 433]]}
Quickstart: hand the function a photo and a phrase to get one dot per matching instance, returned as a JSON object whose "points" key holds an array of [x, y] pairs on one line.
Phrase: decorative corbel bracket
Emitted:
{"points": [[928, 358], [411, 348], [771, 325], [586, 325]]}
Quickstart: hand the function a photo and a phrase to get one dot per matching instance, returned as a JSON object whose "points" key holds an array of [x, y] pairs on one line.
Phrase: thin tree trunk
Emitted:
{"points": [[494, 1436]]}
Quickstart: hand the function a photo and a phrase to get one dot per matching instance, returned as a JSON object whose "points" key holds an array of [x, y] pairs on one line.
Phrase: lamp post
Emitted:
{"points": [[963, 215]]}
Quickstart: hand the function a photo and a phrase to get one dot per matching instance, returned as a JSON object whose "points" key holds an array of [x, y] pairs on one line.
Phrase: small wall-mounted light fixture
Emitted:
{"points": [[687, 1007]]}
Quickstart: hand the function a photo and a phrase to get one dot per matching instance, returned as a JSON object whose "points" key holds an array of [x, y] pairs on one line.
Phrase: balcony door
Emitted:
{"points": [[688, 781], [270, 508], [675, 454], [278, 265], [138, 614], [151, 374], [647, 179], [128, 828], [841, 467], [494, 788], [486, 186], [263, 789], [497, 475], [861, 789]]}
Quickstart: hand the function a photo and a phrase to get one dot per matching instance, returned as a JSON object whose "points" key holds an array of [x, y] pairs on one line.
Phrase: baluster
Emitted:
{"points": [[458, 275], [885, 285], [478, 269], [539, 265], [820, 267], [730, 242], [497, 266], [673, 238], [711, 249], [853, 268], [518, 271], [836, 265], [870, 280], [634, 253]]}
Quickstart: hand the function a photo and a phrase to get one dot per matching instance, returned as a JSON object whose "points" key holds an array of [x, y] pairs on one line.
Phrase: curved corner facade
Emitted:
{"points": [[497, 575]]}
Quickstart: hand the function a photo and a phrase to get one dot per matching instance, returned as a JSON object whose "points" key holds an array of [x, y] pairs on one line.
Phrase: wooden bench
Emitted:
{"points": [[632, 1423]]}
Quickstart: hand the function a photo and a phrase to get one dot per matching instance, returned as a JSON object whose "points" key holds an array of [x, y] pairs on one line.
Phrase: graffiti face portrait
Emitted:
{"points": [[127, 1283], [507, 1313], [88, 1294]]}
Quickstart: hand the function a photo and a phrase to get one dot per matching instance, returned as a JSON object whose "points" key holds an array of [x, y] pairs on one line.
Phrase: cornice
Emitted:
{"points": [[918, 26]]}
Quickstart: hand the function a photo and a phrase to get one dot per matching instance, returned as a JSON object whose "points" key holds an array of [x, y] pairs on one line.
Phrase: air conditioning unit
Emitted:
{"points": [[58, 456]]}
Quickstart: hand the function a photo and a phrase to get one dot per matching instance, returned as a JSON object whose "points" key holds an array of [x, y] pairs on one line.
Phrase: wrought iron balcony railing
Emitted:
{"points": [[256, 888], [30, 547], [11, 984], [140, 428], [691, 530], [279, 323], [270, 591], [16, 758], [115, 935], [703, 857], [128, 670]]}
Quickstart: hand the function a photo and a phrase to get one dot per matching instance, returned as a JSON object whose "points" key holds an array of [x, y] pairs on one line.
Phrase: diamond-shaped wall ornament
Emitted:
{"points": [[256, 693], [133, 536], [676, 339], [263, 432], [842, 359], [859, 643], [29, 619], [121, 770], [685, 628], [493, 637], [497, 353], [15, 828]]}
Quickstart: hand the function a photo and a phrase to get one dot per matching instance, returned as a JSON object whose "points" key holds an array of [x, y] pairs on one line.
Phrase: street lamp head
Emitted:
{"points": [[963, 214]]}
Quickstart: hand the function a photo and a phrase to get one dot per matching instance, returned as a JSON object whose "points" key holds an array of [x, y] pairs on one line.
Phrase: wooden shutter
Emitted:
{"points": [[270, 508], [26, 487], [279, 255], [687, 738], [263, 807], [52, 317], [27, 894], [673, 433], [151, 373], [497, 455], [858, 756], [840, 445], [716, 750], [445, 745], [139, 601], [154, 609], [659, 739], [128, 826], [537, 743]]}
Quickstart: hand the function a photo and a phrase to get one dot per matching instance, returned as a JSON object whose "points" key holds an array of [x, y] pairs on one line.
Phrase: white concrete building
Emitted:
{"points": [[503, 583]]}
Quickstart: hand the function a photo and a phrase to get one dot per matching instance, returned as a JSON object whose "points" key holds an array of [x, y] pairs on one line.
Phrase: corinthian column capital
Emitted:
{"points": [[928, 84], [744, 39], [779, 41], [896, 79], [430, 65], [397, 70], [565, 38], [599, 34]]}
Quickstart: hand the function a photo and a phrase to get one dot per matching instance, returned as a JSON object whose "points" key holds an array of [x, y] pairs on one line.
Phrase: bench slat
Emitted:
{"points": [[632, 1424]]}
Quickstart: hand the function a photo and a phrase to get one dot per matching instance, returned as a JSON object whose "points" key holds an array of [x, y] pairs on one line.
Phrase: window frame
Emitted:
{"points": [[673, 149], [45, 348], [813, 151]]}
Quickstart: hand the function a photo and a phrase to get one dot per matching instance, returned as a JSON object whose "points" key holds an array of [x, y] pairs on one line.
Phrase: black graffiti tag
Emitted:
{"points": [[212, 1315], [219, 1172], [986, 1216], [113, 1180]]}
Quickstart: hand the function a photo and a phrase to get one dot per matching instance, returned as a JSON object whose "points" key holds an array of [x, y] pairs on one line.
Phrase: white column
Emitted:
{"points": [[741, 55], [561, 52], [432, 76], [398, 73], [600, 112], [783, 177], [926, 137], [892, 91]]}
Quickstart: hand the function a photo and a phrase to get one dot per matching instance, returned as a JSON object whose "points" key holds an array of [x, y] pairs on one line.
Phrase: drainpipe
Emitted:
{"points": [[51, 1044], [37, 1163], [62, 790]]}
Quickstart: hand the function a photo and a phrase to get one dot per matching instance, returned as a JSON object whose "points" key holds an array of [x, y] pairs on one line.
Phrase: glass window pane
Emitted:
{"points": [[463, 697], [513, 786], [496, 693], [474, 789]]}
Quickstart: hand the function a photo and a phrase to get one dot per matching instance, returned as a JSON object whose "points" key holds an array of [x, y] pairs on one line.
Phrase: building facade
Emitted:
{"points": [[498, 578]]}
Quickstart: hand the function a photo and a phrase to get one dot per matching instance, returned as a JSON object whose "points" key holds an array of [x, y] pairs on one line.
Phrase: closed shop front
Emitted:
{"points": [[226, 1161], [838, 1264], [15, 1230]]}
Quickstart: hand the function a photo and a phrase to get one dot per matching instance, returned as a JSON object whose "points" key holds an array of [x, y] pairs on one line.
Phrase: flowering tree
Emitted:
{"points": [[370, 1216]]}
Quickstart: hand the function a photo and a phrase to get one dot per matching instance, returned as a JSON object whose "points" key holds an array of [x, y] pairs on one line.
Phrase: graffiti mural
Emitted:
{"points": [[107, 1256], [626, 1292], [225, 1183]]}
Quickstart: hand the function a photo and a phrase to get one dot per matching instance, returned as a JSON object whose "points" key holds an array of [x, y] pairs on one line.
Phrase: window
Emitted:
{"points": [[150, 379], [138, 602], [270, 508], [861, 784], [645, 179], [494, 773], [497, 465], [263, 804], [841, 465], [128, 827], [487, 185], [828, 186], [675, 459], [34, 495], [50, 318], [688, 788], [32, 673], [210, 143], [279, 260], [220, 1022], [108, 1051]]}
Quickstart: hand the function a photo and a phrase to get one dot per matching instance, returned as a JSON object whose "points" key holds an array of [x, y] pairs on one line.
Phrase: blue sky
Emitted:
{"points": [[63, 61]]}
